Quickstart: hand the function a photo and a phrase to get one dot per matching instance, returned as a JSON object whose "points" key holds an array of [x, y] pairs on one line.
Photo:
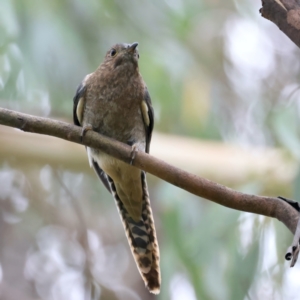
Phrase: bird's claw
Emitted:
{"points": [[133, 153], [84, 130]]}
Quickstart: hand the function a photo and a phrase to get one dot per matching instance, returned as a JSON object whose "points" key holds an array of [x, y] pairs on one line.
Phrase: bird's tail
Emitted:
{"points": [[142, 239]]}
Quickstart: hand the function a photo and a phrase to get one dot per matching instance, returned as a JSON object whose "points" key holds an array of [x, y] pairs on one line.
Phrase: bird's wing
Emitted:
{"points": [[78, 103], [148, 117], [78, 108]]}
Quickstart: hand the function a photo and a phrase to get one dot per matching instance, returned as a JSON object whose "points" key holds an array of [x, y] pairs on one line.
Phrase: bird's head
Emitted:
{"points": [[122, 55]]}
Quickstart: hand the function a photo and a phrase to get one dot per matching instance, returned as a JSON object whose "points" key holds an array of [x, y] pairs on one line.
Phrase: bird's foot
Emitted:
{"points": [[84, 130], [134, 151], [24, 123]]}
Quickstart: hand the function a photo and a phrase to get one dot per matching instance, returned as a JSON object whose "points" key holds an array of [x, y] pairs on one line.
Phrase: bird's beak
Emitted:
{"points": [[132, 47]]}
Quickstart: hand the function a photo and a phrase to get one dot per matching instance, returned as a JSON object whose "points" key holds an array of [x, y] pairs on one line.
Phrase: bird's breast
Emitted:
{"points": [[115, 111]]}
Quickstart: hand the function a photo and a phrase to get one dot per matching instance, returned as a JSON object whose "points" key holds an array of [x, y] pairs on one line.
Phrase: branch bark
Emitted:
{"points": [[285, 14], [267, 206]]}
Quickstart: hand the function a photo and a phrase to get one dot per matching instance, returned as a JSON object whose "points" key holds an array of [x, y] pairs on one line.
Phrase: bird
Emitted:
{"points": [[114, 101]]}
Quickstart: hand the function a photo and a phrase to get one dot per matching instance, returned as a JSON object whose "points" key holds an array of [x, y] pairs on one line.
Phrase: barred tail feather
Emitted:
{"points": [[142, 239], [152, 278]]}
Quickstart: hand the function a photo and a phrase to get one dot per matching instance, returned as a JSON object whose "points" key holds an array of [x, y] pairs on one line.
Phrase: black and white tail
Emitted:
{"points": [[142, 239]]}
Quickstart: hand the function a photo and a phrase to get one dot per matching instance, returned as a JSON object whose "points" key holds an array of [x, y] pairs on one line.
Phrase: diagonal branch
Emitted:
{"points": [[267, 206]]}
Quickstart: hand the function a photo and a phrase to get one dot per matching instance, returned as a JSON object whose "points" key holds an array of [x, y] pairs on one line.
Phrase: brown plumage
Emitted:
{"points": [[115, 102]]}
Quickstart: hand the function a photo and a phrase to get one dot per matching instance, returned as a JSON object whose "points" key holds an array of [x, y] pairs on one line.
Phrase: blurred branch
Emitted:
{"points": [[209, 159], [91, 286], [285, 14], [267, 206]]}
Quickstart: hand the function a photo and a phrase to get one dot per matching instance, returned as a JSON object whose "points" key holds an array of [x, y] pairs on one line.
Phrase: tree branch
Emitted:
{"points": [[285, 14], [267, 206]]}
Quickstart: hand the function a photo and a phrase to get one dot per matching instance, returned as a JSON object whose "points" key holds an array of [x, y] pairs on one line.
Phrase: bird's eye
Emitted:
{"points": [[113, 52]]}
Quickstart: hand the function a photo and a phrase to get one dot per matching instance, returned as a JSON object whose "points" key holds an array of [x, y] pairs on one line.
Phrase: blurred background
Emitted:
{"points": [[224, 84]]}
